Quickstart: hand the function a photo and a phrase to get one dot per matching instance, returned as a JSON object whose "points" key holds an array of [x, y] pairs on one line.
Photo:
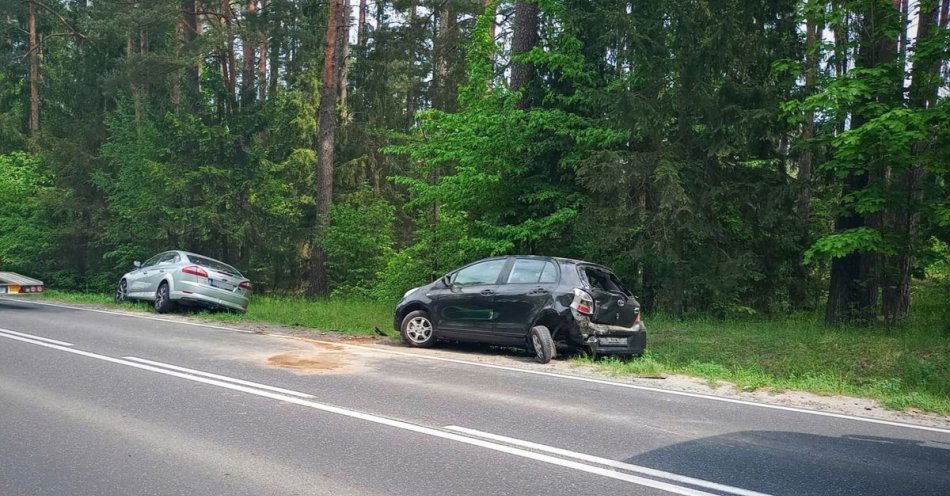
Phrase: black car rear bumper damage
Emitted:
{"points": [[604, 339]]}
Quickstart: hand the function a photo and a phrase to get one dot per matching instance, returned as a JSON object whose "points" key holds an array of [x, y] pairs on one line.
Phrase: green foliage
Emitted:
{"points": [[358, 242], [25, 233], [846, 242]]}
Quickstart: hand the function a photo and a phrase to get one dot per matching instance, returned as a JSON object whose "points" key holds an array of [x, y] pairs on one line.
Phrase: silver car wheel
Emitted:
{"points": [[121, 292], [160, 297], [419, 330], [538, 350]]}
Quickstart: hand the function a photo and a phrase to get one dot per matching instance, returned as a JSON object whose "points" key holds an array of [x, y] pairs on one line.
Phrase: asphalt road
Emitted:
{"points": [[104, 404]]}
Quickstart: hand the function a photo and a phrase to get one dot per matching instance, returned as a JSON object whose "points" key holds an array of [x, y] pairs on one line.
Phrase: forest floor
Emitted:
{"points": [[904, 367]]}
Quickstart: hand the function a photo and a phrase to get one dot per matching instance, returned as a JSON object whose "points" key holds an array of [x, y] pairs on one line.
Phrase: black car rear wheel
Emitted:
{"points": [[417, 329], [542, 344], [163, 300]]}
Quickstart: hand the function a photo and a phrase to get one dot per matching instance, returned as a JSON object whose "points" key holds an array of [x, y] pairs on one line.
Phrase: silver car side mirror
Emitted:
{"points": [[137, 264]]}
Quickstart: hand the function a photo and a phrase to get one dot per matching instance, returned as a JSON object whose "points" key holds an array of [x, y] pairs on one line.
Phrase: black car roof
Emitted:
{"points": [[564, 260]]}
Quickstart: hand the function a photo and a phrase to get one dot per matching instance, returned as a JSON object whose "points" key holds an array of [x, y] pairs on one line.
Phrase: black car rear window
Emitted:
{"points": [[213, 264], [603, 280]]}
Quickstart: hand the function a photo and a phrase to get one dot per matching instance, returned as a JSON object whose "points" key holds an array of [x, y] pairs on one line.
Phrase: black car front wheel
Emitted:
{"points": [[542, 344], [417, 329]]}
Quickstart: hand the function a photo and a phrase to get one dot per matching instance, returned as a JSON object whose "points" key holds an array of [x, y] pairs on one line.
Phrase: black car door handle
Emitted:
{"points": [[539, 291], [487, 292]]}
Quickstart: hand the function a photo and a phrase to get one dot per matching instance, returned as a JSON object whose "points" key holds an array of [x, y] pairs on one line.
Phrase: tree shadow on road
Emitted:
{"points": [[795, 464]]}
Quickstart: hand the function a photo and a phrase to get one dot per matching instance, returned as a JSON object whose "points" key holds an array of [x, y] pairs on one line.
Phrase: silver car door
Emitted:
{"points": [[137, 279], [156, 273]]}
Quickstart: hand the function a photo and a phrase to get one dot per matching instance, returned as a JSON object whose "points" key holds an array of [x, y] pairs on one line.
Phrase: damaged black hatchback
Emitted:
{"points": [[539, 303]]}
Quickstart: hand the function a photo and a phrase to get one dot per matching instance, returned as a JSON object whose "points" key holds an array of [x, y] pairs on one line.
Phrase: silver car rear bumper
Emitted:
{"points": [[200, 293]]}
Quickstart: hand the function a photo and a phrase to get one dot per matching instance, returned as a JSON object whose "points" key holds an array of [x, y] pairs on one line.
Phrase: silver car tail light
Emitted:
{"points": [[195, 271]]}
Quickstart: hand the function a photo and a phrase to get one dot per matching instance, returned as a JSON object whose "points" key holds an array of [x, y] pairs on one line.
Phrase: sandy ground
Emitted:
{"points": [[330, 350]]}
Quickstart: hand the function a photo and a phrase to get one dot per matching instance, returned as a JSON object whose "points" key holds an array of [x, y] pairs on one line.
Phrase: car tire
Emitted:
{"points": [[417, 329], [163, 299], [541, 344], [122, 292]]}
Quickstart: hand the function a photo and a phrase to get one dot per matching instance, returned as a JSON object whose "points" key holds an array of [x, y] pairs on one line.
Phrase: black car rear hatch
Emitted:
{"points": [[613, 303]]}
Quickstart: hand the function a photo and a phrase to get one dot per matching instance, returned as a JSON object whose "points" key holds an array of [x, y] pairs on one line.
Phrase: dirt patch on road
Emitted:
{"points": [[322, 358], [313, 363]]}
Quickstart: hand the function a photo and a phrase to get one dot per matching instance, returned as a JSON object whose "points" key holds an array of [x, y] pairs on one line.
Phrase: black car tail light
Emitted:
{"points": [[583, 302]]}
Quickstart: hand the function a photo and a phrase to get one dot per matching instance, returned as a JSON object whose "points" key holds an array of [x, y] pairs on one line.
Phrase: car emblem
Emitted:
{"points": [[621, 302]]}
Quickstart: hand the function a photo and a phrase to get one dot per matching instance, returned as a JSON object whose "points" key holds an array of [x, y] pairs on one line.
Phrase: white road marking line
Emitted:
{"points": [[537, 372], [608, 462], [124, 314], [664, 486], [220, 377], [25, 335]]}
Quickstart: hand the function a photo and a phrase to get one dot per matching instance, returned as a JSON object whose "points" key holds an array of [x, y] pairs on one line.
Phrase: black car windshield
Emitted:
{"points": [[213, 264]]}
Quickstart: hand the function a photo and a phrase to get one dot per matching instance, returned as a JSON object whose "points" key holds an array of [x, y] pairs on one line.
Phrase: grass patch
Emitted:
{"points": [[348, 316], [905, 366]]}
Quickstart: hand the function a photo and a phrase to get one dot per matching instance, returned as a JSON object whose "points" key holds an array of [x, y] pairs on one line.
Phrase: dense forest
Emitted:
{"points": [[723, 156]]}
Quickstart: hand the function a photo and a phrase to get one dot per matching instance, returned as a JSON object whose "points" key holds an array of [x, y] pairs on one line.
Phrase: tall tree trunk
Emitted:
{"points": [[344, 56], [262, 60], [326, 117], [442, 44], [410, 92], [248, 45], [801, 296], [905, 217], [133, 87], [190, 34], [228, 64], [524, 38], [491, 31], [262, 69], [855, 278], [34, 72], [813, 27], [361, 27], [275, 48]]}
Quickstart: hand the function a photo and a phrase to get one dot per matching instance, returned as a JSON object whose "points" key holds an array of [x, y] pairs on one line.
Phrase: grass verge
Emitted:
{"points": [[347, 316], [905, 366]]}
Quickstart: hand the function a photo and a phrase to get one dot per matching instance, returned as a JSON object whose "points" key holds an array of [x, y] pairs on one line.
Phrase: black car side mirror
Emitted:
{"points": [[447, 280], [137, 264]]}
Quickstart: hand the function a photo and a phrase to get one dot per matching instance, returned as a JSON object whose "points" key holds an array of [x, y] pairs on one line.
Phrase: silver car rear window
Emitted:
{"points": [[213, 264]]}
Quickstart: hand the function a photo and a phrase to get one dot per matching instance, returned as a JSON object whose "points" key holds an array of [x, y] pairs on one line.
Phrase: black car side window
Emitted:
{"points": [[481, 273], [526, 271]]}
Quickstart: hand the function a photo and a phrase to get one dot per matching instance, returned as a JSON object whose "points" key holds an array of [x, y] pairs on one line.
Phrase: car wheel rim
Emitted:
{"points": [[120, 292], [160, 298], [419, 330], [537, 345]]}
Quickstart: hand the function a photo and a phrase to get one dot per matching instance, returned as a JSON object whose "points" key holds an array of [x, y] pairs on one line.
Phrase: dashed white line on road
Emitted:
{"points": [[220, 377], [25, 335], [608, 462]]}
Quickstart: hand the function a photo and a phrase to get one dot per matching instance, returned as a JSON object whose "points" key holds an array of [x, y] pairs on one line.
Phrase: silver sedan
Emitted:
{"points": [[181, 277]]}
